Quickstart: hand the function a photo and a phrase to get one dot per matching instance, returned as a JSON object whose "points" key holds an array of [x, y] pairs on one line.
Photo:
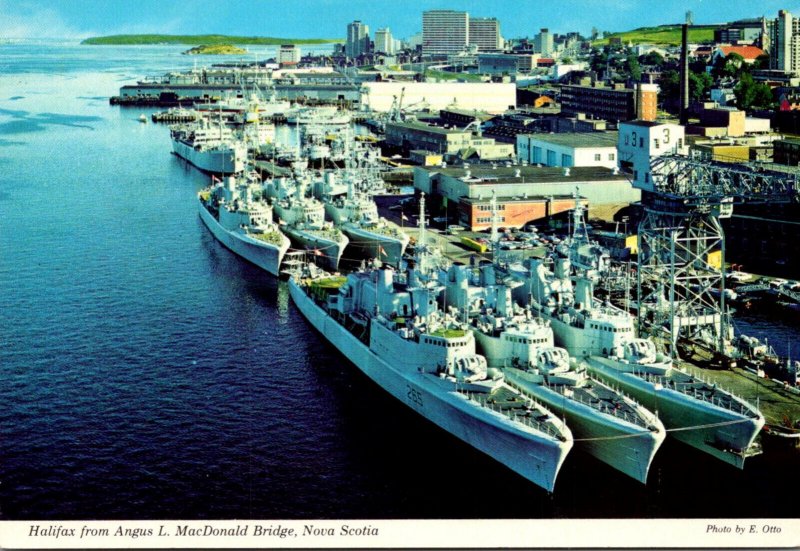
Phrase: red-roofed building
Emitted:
{"points": [[545, 62], [749, 53]]}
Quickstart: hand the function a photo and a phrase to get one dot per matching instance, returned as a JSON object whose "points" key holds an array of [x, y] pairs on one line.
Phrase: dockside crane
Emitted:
{"points": [[681, 261]]}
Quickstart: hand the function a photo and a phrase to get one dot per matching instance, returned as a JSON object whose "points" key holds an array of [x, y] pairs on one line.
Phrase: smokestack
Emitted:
{"points": [[684, 111]]}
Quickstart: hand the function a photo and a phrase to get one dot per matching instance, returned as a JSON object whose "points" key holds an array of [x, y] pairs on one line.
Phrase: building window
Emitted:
{"points": [[641, 143], [551, 158], [635, 174], [611, 157], [597, 156], [537, 154], [566, 160], [646, 177], [655, 143]]}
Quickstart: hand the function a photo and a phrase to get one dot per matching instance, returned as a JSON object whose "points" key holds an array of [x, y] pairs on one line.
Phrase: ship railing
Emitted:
{"points": [[511, 413], [620, 413], [733, 402]]}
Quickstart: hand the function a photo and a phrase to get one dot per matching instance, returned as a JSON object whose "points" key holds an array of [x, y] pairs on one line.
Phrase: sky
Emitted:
{"points": [[329, 18]]}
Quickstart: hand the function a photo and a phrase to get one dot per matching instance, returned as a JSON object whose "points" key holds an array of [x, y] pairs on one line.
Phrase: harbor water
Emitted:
{"points": [[148, 373]]}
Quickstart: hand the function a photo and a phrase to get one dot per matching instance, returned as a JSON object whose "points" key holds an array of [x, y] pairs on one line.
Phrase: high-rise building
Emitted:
{"points": [[484, 32], [444, 31], [543, 42], [384, 43], [357, 39], [784, 43]]}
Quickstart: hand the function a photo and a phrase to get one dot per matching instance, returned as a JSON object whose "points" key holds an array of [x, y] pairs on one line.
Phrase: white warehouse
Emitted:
{"points": [[491, 97], [568, 149]]}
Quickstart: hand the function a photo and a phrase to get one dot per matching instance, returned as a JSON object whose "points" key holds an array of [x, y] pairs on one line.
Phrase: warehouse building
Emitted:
{"points": [[524, 193], [568, 149]]}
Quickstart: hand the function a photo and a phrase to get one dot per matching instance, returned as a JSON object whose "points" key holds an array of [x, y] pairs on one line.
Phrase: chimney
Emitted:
{"points": [[684, 110]]}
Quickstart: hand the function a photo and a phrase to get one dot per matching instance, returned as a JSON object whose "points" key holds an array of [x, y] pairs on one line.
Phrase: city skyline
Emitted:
{"points": [[278, 18]]}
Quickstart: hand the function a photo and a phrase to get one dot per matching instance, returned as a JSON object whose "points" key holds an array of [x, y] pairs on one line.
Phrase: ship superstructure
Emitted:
{"points": [[388, 324], [239, 216], [606, 424], [693, 411]]}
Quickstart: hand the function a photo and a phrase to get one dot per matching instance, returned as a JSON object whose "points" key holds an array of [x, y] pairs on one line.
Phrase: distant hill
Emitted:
{"points": [[215, 49], [668, 35], [199, 39]]}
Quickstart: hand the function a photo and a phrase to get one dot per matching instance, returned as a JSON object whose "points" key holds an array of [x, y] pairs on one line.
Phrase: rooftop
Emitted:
{"points": [[485, 174], [579, 139], [413, 125], [646, 124], [747, 52]]}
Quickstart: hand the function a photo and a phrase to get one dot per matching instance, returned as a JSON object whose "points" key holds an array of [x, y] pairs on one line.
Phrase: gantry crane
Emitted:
{"points": [[680, 282]]}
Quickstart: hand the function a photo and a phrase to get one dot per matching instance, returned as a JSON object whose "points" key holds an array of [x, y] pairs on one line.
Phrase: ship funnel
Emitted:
{"points": [[503, 300], [562, 268], [488, 275], [583, 292]]}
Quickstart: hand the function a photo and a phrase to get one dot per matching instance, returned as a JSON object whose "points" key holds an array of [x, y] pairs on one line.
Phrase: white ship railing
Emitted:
{"points": [[731, 402], [600, 406], [511, 413]]}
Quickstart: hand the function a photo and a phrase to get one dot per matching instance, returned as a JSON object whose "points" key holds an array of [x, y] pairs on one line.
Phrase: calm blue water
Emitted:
{"points": [[146, 372]]}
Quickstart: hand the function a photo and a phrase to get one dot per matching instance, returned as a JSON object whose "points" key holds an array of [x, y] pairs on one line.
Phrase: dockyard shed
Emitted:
{"points": [[602, 187], [576, 149], [492, 97]]}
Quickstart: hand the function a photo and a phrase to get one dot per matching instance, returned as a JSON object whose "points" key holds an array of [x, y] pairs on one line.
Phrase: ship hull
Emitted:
{"points": [[326, 252], [264, 255], [725, 434], [375, 245], [623, 445], [217, 161], [535, 456]]}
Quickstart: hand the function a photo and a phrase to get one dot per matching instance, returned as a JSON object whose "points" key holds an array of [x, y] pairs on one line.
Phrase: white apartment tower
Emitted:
{"points": [[384, 42], [357, 39], [543, 42], [784, 43], [444, 32], [484, 32]]}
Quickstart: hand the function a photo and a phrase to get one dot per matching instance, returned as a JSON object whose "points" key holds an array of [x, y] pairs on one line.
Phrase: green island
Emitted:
{"points": [[663, 34], [215, 49], [198, 40]]}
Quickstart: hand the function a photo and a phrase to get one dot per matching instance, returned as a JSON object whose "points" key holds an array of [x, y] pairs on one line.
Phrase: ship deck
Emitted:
{"points": [[517, 407]]}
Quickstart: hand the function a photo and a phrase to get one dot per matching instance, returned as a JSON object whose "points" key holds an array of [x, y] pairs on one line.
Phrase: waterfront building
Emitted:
{"points": [[484, 32], [444, 31], [384, 43], [578, 149], [543, 42], [524, 193], [639, 141], [493, 97], [446, 141], [357, 39], [288, 54]]}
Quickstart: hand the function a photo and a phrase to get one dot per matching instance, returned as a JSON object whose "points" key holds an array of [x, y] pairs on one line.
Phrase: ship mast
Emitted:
{"points": [[421, 237]]}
